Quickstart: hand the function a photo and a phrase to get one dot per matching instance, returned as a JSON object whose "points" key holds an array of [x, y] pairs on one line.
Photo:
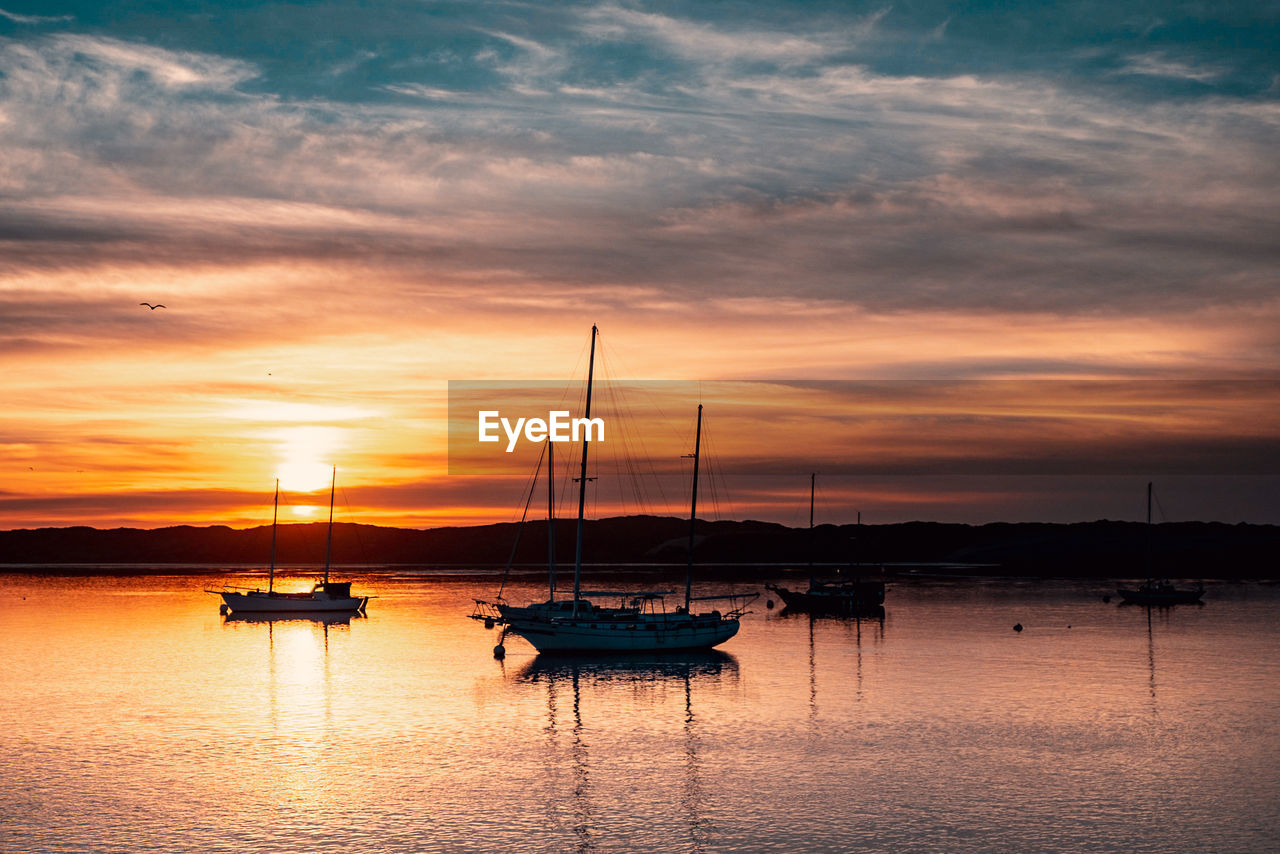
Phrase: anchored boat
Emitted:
{"points": [[844, 596], [1158, 592], [639, 622], [326, 596]]}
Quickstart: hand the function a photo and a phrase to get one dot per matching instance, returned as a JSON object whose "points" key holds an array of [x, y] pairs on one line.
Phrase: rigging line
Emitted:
{"points": [[631, 451], [644, 461], [1159, 506], [652, 399], [533, 482], [722, 496], [644, 465], [355, 528], [630, 486]]}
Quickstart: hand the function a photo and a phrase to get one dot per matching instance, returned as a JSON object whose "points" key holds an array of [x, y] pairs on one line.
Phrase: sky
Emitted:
{"points": [[344, 206]]}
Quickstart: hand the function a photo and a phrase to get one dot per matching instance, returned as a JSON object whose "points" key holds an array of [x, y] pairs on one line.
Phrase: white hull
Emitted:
{"points": [[262, 602], [644, 635]]}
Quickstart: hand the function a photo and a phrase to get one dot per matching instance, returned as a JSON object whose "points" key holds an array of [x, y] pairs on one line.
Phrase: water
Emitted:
{"points": [[134, 718]]}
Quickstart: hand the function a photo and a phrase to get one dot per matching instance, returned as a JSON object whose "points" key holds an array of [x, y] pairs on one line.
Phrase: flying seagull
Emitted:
{"points": [[150, 306]]}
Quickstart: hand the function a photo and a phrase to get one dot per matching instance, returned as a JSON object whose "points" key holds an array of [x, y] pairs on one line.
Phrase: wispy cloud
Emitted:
{"points": [[703, 43], [1160, 65], [839, 200], [171, 69], [35, 19]]}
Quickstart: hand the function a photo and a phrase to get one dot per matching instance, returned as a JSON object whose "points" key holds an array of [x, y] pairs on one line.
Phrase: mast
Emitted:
{"points": [[857, 542], [551, 521], [813, 476], [328, 542], [582, 479], [1148, 545], [693, 511], [275, 512]]}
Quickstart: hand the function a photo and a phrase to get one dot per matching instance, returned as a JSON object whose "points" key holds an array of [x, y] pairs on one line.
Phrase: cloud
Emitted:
{"points": [[885, 191], [35, 19], [171, 69], [706, 42], [1159, 65]]}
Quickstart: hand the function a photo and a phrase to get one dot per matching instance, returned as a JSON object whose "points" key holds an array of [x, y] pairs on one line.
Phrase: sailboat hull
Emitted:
{"points": [[623, 635], [258, 602], [865, 598]]}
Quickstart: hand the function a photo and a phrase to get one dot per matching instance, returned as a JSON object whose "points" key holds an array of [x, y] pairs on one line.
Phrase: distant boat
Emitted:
{"points": [[848, 598], [327, 596], [843, 596], [640, 621], [1158, 592]]}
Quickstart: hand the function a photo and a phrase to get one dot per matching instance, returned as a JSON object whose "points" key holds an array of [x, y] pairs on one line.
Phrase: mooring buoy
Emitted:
{"points": [[499, 652], [768, 603], [1017, 627]]}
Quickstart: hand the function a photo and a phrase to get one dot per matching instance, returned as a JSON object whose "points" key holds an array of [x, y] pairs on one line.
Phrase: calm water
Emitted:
{"points": [[134, 718]]}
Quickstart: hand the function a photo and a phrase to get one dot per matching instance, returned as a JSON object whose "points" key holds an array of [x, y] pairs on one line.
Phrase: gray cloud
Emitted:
{"points": [[772, 162]]}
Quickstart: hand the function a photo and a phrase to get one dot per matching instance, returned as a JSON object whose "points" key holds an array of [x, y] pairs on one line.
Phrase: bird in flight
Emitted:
{"points": [[150, 306]]}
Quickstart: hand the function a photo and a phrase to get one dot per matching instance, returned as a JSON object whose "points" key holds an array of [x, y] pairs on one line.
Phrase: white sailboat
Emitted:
{"points": [[639, 622], [325, 597]]}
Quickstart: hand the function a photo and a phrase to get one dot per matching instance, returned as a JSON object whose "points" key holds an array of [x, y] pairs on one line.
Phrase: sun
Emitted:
{"points": [[306, 454]]}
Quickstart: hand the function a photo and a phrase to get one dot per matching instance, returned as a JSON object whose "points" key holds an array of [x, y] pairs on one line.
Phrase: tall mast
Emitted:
{"points": [[582, 479], [328, 542], [813, 476], [857, 543], [1148, 547], [275, 512], [693, 511], [551, 520]]}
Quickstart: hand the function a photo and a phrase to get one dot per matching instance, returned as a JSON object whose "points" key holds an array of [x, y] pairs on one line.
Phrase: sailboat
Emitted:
{"points": [[843, 595], [1155, 591], [639, 622], [327, 596]]}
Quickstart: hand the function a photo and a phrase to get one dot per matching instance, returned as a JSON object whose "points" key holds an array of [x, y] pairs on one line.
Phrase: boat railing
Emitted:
{"points": [[487, 611], [738, 601]]}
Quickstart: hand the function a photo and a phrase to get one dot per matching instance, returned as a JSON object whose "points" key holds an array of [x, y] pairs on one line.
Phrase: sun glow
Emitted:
{"points": [[305, 457]]}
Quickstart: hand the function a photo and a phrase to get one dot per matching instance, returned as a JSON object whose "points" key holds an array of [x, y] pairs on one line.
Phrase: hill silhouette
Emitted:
{"points": [[1090, 549]]}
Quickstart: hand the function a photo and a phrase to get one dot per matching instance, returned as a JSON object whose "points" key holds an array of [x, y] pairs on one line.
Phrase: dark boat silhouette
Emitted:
{"points": [[1155, 591], [841, 596]]}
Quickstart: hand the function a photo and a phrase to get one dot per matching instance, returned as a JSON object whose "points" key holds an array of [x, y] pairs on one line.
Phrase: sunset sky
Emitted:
{"points": [[344, 206]]}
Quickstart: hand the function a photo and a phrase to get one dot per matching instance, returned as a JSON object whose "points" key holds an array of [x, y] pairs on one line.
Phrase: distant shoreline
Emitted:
{"points": [[648, 545]]}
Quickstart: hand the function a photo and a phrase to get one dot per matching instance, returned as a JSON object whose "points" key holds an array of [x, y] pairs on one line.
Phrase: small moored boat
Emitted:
{"points": [[325, 597], [841, 596], [1158, 592]]}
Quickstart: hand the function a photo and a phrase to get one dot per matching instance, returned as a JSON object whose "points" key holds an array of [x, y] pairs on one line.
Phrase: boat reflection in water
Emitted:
{"points": [[327, 618], [858, 627], [571, 673], [295, 687], [630, 667]]}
